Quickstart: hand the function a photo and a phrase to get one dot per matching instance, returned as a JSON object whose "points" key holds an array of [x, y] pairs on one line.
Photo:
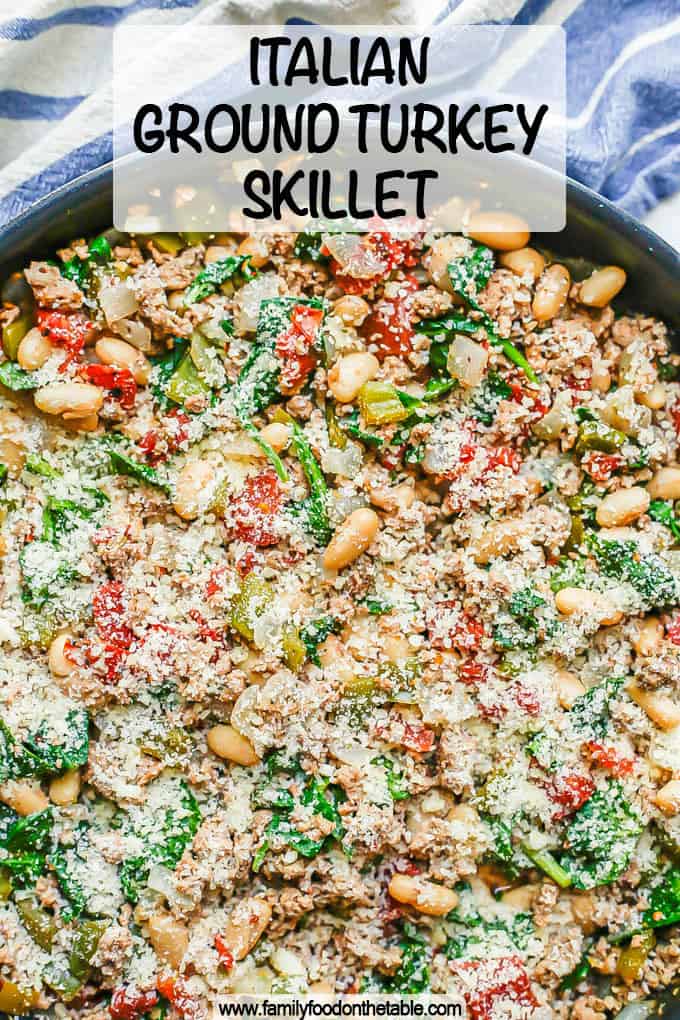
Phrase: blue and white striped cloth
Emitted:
{"points": [[623, 80]]}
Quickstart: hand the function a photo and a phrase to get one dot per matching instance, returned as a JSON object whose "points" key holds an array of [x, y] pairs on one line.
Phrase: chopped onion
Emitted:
{"points": [[161, 880], [135, 332], [623, 413], [346, 462], [354, 257], [117, 301], [467, 360], [248, 299], [636, 1011], [557, 419]]}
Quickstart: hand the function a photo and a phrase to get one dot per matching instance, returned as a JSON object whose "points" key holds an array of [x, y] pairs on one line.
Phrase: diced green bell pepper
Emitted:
{"points": [[380, 404]]}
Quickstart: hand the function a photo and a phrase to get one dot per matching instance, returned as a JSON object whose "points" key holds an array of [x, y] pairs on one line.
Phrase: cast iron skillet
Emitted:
{"points": [[596, 231]]}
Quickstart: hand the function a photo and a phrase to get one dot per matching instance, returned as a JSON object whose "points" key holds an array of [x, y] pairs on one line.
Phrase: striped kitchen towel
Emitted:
{"points": [[623, 76]]}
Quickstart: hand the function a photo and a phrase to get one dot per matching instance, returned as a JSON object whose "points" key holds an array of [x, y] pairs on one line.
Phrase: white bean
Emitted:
{"points": [[665, 484], [551, 292], [622, 507], [349, 374], [34, 350], [226, 742], [191, 489], [70, 399], [602, 286], [498, 230], [426, 897], [64, 790], [120, 354], [57, 659], [352, 538]]}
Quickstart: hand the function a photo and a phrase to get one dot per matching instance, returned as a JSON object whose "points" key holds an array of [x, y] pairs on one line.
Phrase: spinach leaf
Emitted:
{"points": [[662, 510], [122, 464], [308, 248], [79, 270], [27, 841], [177, 830], [315, 633], [413, 975], [396, 781], [60, 516], [590, 712], [217, 273], [647, 573], [601, 838], [664, 902], [314, 508], [38, 755], [165, 366], [15, 378], [487, 396], [69, 885]]}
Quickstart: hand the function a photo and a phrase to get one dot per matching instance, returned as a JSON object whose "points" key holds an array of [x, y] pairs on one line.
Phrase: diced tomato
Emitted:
{"points": [[525, 699], [673, 630], [467, 453], [471, 672], [388, 327], [177, 994], [295, 347], [129, 1003], [601, 466], [69, 330], [224, 952], [571, 791], [580, 385], [108, 609], [255, 509], [215, 581], [173, 432], [609, 758], [504, 456], [118, 381], [675, 416], [452, 627], [418, 738], [394, 251], [495, 987]]}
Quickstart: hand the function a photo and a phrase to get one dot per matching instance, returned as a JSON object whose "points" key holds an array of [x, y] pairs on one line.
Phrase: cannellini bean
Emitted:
{"points": [[668, 798], [57, 659], [23, 797], [349, 374], [601, 379], [248, 922], [600, 288], [393, 497], [568, 686], [352, 309], [336, 661], [69, 399], [64, 790], [352, 538], [14, 442], [216, 252], [256, 248], [623, 506], [194, 480], [498, 540], [426, 897], [521, 897], [277, 434], [551, 292], [498, 230], [226, 742], [648, 636], [88, 424], [654, 398], [465, 813], [121, 354], [661, 709], [583, 910], [34, 350], [169, 938], [581, 600], [524, 262], [665, 484], [396, 647]]}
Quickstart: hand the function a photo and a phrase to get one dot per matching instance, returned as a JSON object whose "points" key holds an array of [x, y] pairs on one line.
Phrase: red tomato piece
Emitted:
{"points": [[224, 952], [108, 608], [675, 416], [571, 791], [176, 992], [601, 466], [128, 1002], [118, 381], [255, 509], [504, 456], [69, 330], [609, 758], [418, 738], [525, 699], [295, 347], [495, 987], [471, 672], [673, 630], [388, 327]]}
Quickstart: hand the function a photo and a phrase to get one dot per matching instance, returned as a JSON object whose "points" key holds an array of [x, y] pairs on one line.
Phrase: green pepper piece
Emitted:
{"points": [[336, 435], [170, 243], [595, 435], [5, 885], [38, 923], [185, 382], [380, 404], [61, 981], [544, 860], [249, 603], [13, 333], [577, 535], [84, 948], [294, 650], [15, 1000]]}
